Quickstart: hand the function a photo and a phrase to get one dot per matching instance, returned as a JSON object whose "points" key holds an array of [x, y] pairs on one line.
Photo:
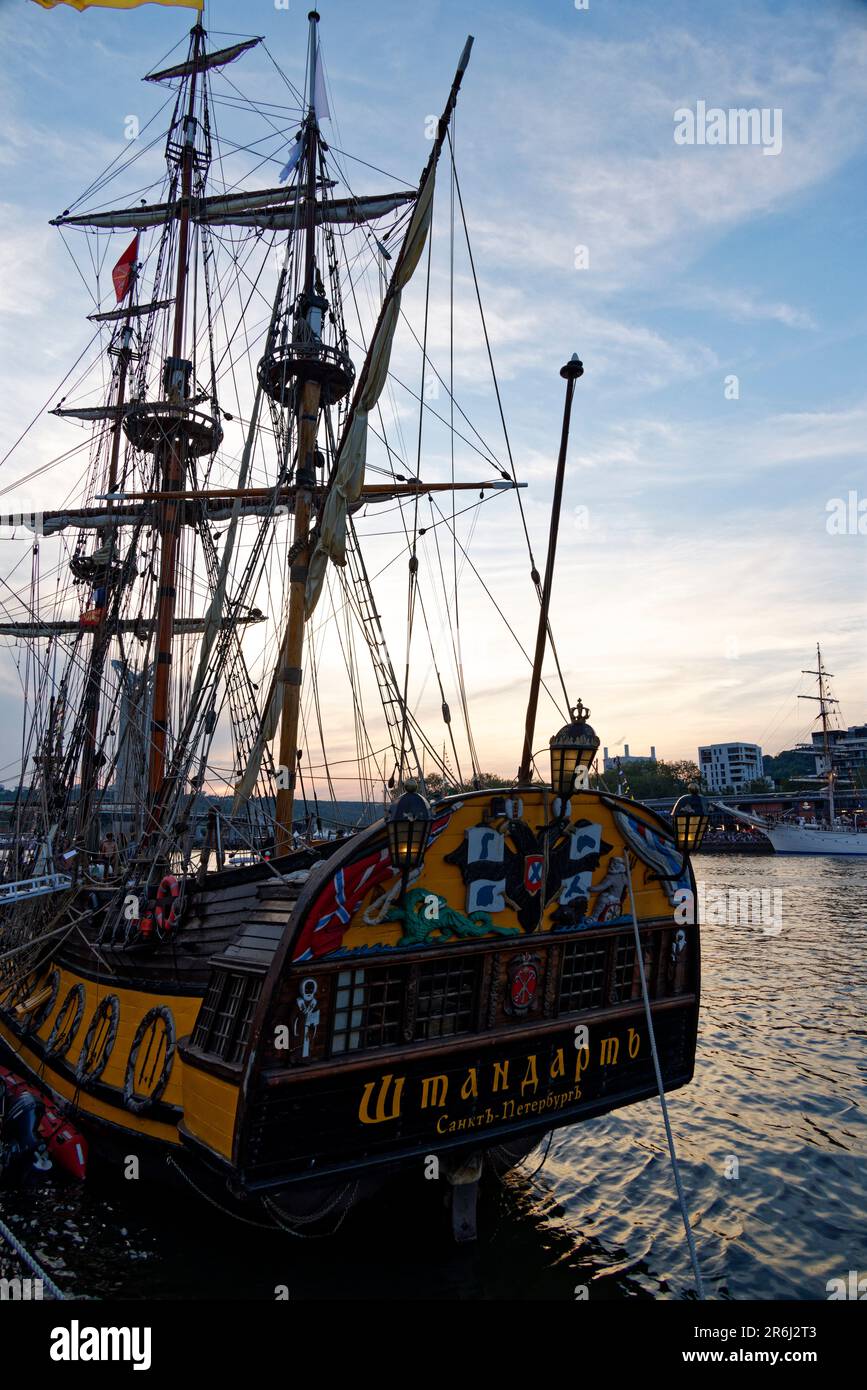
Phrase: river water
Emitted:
{"points": [[771, 1137]]}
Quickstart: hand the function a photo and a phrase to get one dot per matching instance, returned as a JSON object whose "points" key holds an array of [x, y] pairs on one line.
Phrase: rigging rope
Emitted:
{"points": [[639, 956]]}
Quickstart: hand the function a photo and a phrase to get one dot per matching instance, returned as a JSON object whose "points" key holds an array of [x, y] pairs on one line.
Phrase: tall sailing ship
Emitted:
{"points": [[831, 834], [475, 968]]}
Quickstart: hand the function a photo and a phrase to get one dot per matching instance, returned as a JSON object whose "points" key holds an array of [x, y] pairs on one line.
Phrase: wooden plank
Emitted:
{"points": [[268, 935], [260, 949]]}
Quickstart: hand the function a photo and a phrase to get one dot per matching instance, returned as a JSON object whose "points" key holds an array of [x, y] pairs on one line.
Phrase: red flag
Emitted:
{"points": [[122, 276]]}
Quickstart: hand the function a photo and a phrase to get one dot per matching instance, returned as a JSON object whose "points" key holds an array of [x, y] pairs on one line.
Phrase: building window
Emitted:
{"points": [[367, 1009], [226, 1016], [582, 979], [446, 999]]}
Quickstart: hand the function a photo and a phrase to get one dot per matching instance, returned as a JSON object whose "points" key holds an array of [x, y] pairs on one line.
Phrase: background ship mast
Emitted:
{"points": [[824, 699]]}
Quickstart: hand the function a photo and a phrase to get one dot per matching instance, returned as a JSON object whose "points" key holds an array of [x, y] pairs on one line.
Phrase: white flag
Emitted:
{"points": [[294, 156], [320, 100]]}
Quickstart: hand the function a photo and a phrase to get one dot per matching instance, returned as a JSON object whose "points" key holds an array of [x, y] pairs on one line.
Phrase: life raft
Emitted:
{"points": [[66, 1145]]}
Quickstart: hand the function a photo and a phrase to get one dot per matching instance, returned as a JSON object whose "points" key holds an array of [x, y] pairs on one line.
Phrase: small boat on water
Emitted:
{"points": [[289, 1030], [32, 1125]]}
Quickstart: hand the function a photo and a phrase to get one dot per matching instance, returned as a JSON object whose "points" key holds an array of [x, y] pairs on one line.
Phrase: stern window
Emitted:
{"points": [[446, 1000], [368, 1005], [226, 1016]]}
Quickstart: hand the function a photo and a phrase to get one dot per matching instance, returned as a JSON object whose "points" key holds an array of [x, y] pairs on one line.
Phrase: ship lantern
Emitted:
{"points": [[408, 823], [573, 748], [689, 818]]}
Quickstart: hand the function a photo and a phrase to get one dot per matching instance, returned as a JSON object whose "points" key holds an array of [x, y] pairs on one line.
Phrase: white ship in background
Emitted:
{"points": [[833, 836]]}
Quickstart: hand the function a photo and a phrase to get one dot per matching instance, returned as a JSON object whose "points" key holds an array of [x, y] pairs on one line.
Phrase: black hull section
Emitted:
{"points": [[396, 1116]]}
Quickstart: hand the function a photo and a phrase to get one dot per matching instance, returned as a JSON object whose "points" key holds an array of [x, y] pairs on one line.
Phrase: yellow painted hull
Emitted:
{"points": [[207, 1103]]}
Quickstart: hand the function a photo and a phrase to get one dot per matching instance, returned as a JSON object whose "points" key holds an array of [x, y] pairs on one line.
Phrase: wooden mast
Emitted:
{"points": [[289, 672], [173, 474], [93, 687], [572, 371]]}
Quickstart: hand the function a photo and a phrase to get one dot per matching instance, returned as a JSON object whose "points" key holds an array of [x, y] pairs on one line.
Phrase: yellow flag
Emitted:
{"points": [[119, 4]]}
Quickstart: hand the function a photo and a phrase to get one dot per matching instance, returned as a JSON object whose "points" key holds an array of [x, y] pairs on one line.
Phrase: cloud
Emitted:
{"points": [[599, 166], [727, 446], [743, 306]]}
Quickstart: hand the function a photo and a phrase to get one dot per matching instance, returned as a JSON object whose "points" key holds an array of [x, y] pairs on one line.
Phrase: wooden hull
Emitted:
{"points": [[284, 1046]]}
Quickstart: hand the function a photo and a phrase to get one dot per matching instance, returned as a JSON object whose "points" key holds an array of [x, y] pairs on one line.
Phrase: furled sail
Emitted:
{"points": [[329, 210], [218, 59], [147, 215], [78, 518], [88, 412], [133, 311], [352, 457], [215, 207], [139, 627]]}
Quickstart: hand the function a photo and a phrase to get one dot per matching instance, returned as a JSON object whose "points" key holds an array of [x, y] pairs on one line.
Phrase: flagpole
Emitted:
{"points": [[571, 372]]}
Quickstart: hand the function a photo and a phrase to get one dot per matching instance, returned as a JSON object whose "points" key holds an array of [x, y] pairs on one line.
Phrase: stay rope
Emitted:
{"points": [[639, 955]]}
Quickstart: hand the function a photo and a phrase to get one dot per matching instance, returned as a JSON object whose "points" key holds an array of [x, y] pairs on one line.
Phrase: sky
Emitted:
{"points": [[714, 291]]}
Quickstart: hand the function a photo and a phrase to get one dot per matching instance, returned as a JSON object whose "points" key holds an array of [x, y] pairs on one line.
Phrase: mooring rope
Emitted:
{"points": [[279, 1218], [206, 1197], [699, 1286], [32, 1264], [346, 1196]]}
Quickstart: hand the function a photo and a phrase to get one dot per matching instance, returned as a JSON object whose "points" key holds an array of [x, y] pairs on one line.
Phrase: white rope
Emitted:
{"points": [[699, 1286], [32, 1264]]}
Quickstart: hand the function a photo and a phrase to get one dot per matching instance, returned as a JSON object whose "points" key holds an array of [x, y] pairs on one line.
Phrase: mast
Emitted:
{"points": [[572, 371], [93, 686], [174, 464], [307, 409], [823, 700]]}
